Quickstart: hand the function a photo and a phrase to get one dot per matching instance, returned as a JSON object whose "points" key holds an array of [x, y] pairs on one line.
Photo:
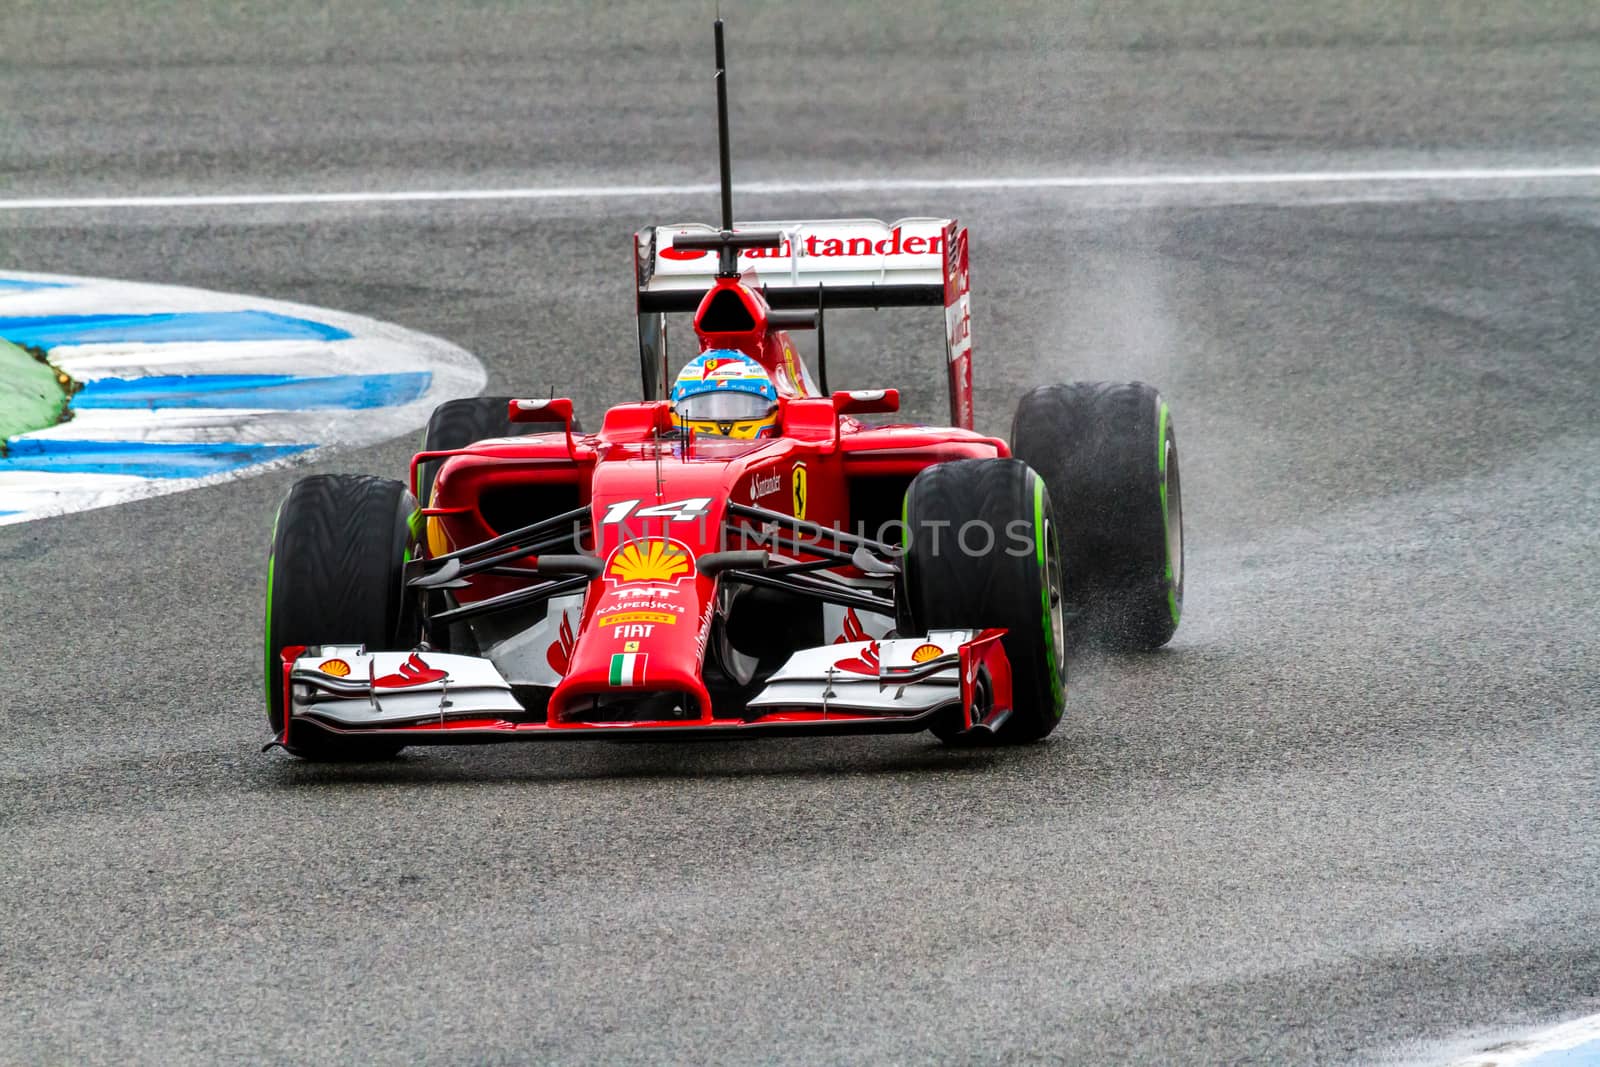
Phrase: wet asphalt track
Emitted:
{"points": [[1354, 804]]}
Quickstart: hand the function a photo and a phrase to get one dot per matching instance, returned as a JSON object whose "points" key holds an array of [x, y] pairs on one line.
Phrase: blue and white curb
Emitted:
{"points": [[1573, 1044], [187, 387]]}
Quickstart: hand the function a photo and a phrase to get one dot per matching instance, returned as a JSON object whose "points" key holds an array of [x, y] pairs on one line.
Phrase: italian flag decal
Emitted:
{"points": [[627, 668]]}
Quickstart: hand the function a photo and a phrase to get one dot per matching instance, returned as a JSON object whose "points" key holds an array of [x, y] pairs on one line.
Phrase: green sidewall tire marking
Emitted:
{"points": [[1166, 519], [1161, 469], [272, 556], [1057, 689]]}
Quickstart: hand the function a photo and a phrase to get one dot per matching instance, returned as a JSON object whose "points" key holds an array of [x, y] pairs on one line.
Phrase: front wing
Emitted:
{"points": [[886, 686]]}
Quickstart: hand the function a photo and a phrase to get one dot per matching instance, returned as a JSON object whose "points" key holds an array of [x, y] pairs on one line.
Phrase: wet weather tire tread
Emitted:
{"points": [[338, 548], [953, 589], [1099, 447]]}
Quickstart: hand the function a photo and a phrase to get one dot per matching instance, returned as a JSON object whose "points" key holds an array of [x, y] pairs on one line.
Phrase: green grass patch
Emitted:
{"points": [[33, 394]]}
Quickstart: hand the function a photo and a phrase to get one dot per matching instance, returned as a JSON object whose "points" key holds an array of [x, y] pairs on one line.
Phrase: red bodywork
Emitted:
{"points": [[658, 502]]}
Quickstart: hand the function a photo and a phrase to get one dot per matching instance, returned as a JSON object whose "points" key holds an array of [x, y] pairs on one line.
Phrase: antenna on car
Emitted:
{"points": [[728, 262], [725, 242]]}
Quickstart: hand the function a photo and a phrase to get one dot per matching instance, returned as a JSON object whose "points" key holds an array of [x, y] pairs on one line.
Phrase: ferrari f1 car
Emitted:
{"points": [[736, 553]]}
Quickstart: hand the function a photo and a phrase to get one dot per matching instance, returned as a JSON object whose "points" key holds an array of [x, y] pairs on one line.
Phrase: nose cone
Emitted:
{"points": [[647, 615], [644, 637]]}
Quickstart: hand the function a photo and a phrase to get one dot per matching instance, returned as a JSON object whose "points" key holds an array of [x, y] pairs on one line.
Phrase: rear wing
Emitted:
{"points": [[836, 263]]}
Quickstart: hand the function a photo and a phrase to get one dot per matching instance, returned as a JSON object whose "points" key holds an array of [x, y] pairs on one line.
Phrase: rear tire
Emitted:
{"points": [[958, 576], [459, 423], [335, 576], [1108, 453]]}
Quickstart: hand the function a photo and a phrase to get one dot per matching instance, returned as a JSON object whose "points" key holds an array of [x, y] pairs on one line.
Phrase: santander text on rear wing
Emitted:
{"points": [[821, 264]]}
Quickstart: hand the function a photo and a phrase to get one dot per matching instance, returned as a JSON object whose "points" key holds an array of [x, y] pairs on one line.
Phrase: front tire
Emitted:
{"points": [[981, 551], [335, 576], [1108, 452]]}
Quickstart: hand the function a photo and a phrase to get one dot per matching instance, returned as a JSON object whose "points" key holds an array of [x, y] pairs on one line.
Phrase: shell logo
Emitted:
{"points": [[654, 559], [923, 653], [336, 667]]}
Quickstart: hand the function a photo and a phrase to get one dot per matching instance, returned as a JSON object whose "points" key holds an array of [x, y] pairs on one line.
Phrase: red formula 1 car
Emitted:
{"points": [[702, 567]]}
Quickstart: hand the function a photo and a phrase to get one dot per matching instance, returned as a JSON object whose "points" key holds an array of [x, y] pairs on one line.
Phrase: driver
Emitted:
{"points": [[724, 393]]}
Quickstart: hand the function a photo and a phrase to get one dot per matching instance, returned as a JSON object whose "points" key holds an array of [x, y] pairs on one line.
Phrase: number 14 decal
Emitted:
{"points": [[696, 507]]}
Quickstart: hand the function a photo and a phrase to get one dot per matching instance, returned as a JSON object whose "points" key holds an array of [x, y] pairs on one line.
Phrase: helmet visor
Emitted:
{"points": [[723, 405]]}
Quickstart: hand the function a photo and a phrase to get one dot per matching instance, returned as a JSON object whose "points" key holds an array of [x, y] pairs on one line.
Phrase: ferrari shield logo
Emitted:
{"points": [[800, 490]]}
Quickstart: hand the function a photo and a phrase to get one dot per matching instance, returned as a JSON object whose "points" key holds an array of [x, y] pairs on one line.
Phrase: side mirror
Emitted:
{"points": [[556, 410], [866, 401]]}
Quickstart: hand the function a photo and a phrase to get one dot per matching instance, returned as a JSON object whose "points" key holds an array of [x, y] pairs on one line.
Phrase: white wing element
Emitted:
{"points": [[820, 264], [348, 686], [345, 685], [902, 676], [831, 252]]}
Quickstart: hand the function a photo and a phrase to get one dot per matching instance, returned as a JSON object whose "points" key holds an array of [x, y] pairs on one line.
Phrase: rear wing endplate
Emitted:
{"points": [[839, 263]]}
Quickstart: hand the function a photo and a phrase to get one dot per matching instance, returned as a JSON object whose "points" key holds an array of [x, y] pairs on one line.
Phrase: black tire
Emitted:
{"points": [[957, 577], [459, 423], [339, 544], [1109, 456]]}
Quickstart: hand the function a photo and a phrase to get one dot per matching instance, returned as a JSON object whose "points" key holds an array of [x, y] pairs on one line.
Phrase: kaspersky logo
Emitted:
{"points": [[653, 559]]}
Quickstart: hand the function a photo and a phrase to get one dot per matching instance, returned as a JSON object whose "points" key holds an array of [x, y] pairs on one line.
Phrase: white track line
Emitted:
{"points": [[1441, 176]]}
